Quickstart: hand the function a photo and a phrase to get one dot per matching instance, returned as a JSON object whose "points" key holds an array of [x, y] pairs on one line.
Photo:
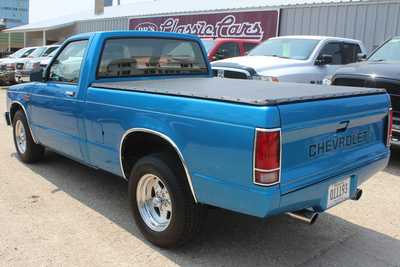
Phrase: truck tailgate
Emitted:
{"points": [[325, 138]]}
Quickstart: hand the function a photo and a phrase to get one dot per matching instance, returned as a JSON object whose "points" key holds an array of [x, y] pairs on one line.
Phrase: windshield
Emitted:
{"points": [[292, 48], [49, 51], [390, 51], [208, 44], [18, 53], [130, 57], [38, 52]]}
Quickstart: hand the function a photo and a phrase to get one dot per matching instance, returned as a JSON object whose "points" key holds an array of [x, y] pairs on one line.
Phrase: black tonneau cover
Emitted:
{"points": [[260, 93]]}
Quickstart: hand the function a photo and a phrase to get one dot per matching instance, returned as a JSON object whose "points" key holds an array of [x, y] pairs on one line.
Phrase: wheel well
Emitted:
{"points": [[14, 108], [139, 144]]}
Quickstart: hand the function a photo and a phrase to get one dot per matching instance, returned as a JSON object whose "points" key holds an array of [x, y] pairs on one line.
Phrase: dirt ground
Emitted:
{"points": [[60, 213]]}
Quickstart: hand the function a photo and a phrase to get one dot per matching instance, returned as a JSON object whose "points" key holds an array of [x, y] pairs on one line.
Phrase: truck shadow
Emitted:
{"points": [[231, 239]]}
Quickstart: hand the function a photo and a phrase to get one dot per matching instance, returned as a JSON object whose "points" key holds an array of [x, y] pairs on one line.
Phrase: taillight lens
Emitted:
{"points": [[267, 156], [389, 128]]}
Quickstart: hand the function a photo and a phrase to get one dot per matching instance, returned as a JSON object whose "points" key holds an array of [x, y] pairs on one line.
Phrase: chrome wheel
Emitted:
{"points": [[20, 136], [154, 202]]}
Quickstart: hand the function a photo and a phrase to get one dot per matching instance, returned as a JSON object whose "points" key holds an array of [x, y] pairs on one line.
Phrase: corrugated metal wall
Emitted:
{"points": [[372, 23], [113, 24]]}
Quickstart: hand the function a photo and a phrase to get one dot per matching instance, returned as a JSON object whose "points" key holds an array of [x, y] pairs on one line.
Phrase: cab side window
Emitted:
{"points": [[248, 46], [227, 50], [334, 50], [350, 52], [67, 66]]}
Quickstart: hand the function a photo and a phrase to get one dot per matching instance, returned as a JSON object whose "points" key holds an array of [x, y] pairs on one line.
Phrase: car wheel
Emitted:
{"points": [[28, 151], [161, 202]]}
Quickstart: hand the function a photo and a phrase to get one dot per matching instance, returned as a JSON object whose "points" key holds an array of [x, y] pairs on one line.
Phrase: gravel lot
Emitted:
{"points": [[59, 212]]}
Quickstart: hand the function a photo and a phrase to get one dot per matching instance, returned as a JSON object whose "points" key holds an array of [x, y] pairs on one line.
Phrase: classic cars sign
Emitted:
{"points": [[258, 25]]}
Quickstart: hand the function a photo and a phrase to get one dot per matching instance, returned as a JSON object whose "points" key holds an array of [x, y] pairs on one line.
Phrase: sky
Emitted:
{"points": [[47, 9]]}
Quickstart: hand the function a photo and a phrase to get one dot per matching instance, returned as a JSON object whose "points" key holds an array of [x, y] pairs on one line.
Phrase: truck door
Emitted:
{"points": [[341, 53], [323, 69], [56, 107]]}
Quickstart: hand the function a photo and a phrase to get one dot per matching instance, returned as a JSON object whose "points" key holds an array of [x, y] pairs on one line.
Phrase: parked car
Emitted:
{"points": [[7, 64], [300, 59], [144, 106], [380, 70], [25, 66], [221, 48]]}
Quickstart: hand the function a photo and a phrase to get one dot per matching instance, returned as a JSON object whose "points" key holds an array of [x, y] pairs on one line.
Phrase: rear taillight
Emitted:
{"points": [[389, 128], [267, 156]]}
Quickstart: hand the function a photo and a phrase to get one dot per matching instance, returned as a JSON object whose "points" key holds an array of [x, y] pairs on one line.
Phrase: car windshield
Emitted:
{"points": [[390, 51], [292, 48], [38, 52], [18, 53], [208, 44], [132, 57], [49, 51]]}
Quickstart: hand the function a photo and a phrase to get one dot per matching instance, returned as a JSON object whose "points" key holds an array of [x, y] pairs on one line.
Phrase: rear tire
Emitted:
{"points": [[182, 218], [28, 151]]}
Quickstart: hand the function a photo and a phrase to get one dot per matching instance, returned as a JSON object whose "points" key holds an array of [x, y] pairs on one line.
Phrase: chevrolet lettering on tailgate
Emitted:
{"points": [[338, 142]]}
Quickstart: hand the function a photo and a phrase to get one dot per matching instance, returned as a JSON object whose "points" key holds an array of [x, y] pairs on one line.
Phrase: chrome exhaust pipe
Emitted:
{"points": [[305, 215], [357, 195]]}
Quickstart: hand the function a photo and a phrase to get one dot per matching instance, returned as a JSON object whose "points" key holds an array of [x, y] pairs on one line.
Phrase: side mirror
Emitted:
{"points": [[37, 76], [324, 60], [361, 57]]}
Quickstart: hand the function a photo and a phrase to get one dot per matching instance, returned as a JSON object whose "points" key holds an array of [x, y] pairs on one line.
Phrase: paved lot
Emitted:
{"points": [[61, 213]]}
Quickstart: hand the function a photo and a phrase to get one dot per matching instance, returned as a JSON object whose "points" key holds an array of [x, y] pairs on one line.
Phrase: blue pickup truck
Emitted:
{"points": [[144, 106]]}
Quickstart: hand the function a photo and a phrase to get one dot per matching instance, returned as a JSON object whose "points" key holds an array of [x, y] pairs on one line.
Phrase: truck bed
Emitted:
{"points": [[252, 92]]}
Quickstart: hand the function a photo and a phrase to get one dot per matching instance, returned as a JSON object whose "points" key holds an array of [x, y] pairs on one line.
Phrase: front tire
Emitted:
{"points": [[28, 151], [161, 202]]}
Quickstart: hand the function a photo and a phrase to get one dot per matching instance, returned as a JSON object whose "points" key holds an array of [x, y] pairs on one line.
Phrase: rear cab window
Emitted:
{"points": [[138, 57]]}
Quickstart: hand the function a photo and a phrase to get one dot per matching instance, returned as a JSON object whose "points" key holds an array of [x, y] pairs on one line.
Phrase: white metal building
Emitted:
{"points": [[369, 21]]}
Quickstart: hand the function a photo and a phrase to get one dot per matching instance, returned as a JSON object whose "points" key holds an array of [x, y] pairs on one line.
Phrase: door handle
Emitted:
{"points": [[70, 93]]}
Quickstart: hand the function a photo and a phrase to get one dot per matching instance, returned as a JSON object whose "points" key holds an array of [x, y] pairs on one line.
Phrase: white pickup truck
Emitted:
{"points": [[301, 59]]}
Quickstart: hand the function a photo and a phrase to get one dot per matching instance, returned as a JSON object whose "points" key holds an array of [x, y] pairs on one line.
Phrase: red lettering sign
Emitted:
{"points": [[257, 25]]}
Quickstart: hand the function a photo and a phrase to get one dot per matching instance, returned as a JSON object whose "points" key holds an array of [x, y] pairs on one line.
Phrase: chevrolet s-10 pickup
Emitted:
{"points": [[144, 106]]}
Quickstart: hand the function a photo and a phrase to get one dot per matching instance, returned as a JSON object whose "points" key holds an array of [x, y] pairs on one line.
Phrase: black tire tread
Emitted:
{"points": [[195, 214], [34, 152]]}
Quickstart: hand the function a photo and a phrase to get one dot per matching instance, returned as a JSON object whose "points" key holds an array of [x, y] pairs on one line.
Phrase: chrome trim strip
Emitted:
{"points": [[280, 156], [169, 140], [26, 116]]}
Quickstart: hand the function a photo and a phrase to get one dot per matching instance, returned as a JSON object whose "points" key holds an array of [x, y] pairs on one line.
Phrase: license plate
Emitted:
{"points": [[338, 192]]}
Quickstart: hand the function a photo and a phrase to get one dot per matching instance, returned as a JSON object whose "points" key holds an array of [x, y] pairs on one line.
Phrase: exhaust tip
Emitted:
{"points": [[307, 216], [313, 218], [357, 195]]}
